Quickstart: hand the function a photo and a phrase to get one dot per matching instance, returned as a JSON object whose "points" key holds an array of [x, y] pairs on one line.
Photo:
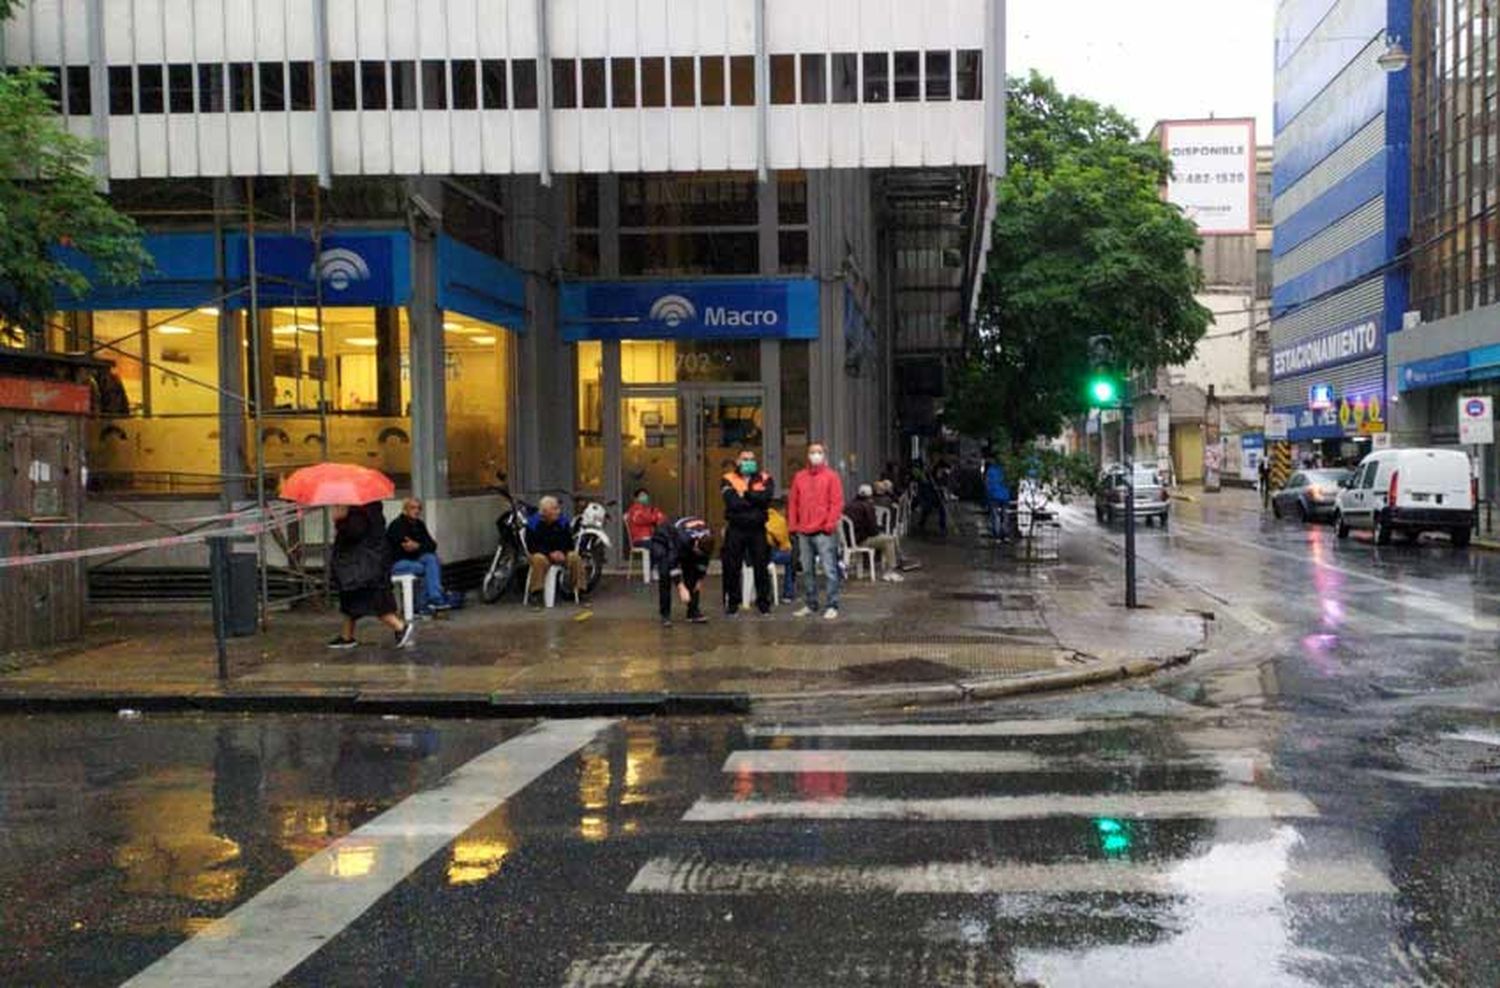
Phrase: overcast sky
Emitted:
{"points": [[1152, 59]]}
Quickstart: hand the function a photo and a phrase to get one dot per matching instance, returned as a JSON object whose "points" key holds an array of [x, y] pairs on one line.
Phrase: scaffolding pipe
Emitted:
{"points": [[258, 391]]}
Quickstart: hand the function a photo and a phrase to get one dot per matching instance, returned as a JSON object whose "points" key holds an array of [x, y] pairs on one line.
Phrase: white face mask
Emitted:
{"points": [[816, 459]]}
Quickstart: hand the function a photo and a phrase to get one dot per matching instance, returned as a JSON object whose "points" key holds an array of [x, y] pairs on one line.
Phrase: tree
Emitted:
{"points": [[1083, 245], [49, 199]]}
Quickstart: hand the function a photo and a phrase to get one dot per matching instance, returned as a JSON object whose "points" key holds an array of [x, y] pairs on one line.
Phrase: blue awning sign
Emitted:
{"points": [[762, 308]]}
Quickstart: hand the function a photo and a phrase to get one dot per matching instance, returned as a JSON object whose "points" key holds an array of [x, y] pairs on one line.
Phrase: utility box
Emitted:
{"points": [[44, 399]]}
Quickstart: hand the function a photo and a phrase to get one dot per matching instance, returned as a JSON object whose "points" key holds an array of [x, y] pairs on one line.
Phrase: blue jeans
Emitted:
{"points": [[431, 572], [824, 549], [783, 558], [1000, 519]]}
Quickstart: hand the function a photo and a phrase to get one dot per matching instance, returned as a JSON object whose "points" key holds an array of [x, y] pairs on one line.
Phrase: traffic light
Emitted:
{"points": [[1104, 385], [1104, 390]]}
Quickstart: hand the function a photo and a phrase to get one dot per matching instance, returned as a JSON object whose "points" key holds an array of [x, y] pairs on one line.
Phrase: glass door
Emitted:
{"points": [[721, 421], [651, 448]]}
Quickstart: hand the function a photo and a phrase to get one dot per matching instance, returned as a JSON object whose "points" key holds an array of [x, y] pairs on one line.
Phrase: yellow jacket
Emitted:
{"points": [[777, 532]]}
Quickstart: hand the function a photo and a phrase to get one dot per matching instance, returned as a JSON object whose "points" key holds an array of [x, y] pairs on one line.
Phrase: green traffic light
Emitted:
{"points": [[1104, 391]]}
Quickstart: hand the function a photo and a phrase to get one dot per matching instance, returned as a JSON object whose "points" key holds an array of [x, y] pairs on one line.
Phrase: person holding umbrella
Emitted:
{"points": [[360, 564]]}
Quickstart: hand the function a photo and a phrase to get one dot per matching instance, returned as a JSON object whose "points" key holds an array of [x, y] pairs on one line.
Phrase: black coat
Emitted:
{"points": [[409, 528], [674, 546], [361, 555], [747, 509]]}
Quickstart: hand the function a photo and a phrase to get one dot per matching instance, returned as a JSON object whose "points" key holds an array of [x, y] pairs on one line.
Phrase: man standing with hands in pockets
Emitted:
{"points": [[813, 512]]}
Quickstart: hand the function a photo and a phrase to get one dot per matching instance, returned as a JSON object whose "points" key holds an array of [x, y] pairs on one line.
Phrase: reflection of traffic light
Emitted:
{"points": [[1114, 836]]}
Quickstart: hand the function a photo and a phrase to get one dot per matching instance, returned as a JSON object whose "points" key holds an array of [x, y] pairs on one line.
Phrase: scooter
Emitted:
{"points": [[592, 542], [508, 565]]}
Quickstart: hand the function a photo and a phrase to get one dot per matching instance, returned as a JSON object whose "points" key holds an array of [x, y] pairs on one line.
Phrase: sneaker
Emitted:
{"points": [[697, 619], [894, 577], [766, 612], [339, 641], [730, 612], [439, 605], [802, 611], [666, 622], [407, 636], [534, 601], [832, 614]]}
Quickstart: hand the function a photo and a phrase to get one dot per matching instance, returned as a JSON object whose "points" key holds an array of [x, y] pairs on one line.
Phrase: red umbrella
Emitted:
{"points": [[337, 483]]}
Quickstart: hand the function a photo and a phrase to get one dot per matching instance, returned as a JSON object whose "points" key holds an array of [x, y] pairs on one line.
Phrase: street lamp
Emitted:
{"points": [[1395, 58]]}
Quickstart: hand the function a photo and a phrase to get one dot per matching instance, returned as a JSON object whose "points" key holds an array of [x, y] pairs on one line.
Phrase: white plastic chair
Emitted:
{"points": [[406, 593], [549, 583], [647, 576], [747, 585], [851, 548]]}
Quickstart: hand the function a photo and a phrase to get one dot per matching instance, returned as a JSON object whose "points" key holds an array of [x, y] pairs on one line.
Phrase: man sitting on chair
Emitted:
{"points": [[415, 553], [867, 533], [549, 540]]}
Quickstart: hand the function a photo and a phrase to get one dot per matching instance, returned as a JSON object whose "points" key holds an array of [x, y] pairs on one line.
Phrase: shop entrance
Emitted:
{"points": [[678, 441]]}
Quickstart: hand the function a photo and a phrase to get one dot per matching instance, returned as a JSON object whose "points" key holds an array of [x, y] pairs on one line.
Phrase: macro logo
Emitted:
{"points": [[340, 267], [673, 310]]}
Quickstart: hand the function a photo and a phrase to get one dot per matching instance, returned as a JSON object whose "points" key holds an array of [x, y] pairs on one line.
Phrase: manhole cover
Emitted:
{"points": [[911, 670]]}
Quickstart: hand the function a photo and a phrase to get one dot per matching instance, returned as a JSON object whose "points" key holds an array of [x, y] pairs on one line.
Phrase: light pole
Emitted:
{"points": [[1108, 388]]}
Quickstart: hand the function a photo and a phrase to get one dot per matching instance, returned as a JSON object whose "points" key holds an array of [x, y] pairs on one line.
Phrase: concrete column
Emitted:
{"points": [[546, 380], [429, 382], [232, 408]]}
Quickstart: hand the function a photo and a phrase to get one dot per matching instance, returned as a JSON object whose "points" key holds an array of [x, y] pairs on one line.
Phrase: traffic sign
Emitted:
{"points": [[1476, 420], [1278, 425]]}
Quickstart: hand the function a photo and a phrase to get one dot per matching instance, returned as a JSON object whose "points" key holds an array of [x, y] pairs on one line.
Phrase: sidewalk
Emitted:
{"points": [[971, 622]]}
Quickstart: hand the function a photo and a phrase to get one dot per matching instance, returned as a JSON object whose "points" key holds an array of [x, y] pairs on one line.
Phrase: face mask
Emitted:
{"points": [[643, 499], [748, 467], [816, 459]]}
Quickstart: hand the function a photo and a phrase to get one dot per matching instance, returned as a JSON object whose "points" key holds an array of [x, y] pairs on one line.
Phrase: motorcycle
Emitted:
{"points": [[592, 542], [507, 569]]}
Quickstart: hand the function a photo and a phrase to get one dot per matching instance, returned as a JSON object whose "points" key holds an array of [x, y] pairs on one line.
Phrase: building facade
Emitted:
{"points": [[1341, 208], [592, 246], [1452, 348]]}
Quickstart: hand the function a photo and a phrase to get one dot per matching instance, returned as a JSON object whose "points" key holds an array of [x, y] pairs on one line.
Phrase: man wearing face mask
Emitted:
{"points": [[813, 511], [747, 491]]}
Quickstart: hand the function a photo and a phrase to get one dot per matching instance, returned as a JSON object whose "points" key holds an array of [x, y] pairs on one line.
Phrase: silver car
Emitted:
{"points": [[1309, 495], [1152, 501]]}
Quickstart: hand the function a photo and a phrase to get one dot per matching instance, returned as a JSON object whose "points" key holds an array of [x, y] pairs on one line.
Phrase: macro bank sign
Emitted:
{"points": [[1327, 349], [776, 308]]}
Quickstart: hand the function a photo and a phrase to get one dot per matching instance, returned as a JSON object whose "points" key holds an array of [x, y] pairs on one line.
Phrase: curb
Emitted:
{"points": [[441, 705], [1180, 496], [1103, 672]]}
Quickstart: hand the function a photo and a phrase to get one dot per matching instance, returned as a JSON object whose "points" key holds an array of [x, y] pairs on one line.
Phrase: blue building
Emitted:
{"points": [[1342, 216]]}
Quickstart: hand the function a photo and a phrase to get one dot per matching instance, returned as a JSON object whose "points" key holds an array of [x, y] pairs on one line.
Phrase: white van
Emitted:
{"points": [[1410, 491]]}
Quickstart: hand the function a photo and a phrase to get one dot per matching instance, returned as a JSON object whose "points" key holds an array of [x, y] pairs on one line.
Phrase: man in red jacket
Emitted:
{"points": [[813, 511]]}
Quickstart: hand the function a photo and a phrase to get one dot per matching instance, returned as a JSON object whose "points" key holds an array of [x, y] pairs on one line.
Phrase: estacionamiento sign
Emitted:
{"points": [[1333, 347]]}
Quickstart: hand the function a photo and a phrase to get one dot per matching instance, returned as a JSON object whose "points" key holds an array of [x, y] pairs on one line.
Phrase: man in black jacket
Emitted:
{"points": [[680, 552], [415, 553], [747, 491]]}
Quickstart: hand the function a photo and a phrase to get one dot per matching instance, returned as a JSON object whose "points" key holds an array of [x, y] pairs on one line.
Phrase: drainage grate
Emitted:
{"points": [[978, 598]]}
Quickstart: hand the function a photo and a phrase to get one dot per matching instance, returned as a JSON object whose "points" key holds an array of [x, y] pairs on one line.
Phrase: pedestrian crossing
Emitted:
{"points": [[970, 853]]}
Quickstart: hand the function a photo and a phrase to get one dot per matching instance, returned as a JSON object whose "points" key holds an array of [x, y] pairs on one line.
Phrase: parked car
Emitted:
{"points": [[1152, 500], [1310, 495], [1410, 491]]}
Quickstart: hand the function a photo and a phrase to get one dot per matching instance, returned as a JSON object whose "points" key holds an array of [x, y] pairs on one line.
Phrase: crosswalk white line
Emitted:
{"points": [[863, 761], [697, 876], [995, 729], [1228, 803], [260, 942]]}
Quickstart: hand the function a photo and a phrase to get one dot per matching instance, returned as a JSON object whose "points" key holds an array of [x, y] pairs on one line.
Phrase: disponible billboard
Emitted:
{"points": [[1213, 173]]}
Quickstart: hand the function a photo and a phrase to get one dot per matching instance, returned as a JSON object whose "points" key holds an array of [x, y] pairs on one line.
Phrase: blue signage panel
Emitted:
{"points": [[1447, 369], [1336, 346], [477, 284], [775, 308], [182, 277]]}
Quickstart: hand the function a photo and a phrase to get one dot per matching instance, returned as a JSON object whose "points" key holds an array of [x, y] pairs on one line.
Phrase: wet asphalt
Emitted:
{"points": [[1317, 802]]}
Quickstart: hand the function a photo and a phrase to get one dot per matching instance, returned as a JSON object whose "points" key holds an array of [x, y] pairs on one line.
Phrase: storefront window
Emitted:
{"points": [[184, 362], [477, 369], [796, 405], [671, 361], [651, 450], [590, 458], [122, 331]]}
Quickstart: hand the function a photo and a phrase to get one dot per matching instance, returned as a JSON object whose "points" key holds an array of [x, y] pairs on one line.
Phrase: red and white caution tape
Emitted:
{"points": [[274, 519]]}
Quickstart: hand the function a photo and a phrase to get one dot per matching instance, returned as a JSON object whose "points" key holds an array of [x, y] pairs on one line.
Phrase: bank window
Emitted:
{"points": [[793, 254], [939, 76], [564, 83], [80, 91], [783, 80], [684, 83], [342, 78], [523, 83], [151, 88], [656, 254], [742, 80], [845, 77], [622, 82], [465, 85], [815, 78], [595, 94], [590, 452], [303, 95], [791, 198], [373, 86], [272, 87], [477, 356], [705, 199], [122, 332], [653, 82], [180, 88], [492, 79], [908, 76], [242, 87], [183, 362], [434, 84], [121, 91], [877, 77], [796, 404], [404, 85], [711, 72], [211, 89], [672, 361], [970, 74]]}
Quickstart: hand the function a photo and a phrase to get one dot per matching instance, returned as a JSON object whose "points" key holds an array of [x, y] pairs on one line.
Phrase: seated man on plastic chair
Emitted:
{"points": [[867, 533], [549, 540], [779, 535], [415, 553]]}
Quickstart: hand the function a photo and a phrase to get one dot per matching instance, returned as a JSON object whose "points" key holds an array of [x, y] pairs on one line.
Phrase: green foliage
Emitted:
{"points": [[48, 198], [1084, 245]]}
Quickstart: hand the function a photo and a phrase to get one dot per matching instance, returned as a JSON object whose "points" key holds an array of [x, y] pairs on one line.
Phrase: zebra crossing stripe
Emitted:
{"points": [[1228, 803], [996, 729], [698, 876], [858, 761]]}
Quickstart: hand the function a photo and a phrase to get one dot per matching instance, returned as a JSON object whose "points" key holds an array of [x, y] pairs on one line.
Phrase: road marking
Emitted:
{"points": [[863, 761], [698, 876], [260, 942], [1230, 803], [996, 729]]}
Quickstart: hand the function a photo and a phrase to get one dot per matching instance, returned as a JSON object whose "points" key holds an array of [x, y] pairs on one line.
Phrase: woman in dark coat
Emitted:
{"points": [[361, 567]]}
